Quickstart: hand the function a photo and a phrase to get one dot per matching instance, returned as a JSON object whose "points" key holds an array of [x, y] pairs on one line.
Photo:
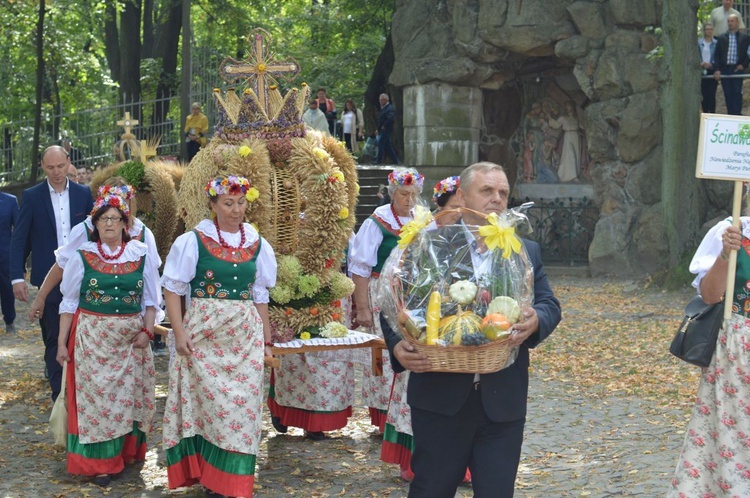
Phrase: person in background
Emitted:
{"points": [[386, 120], [353, 124], [82, 176], [465, 419], [314, 118], [196, 128], [715, 456], [212, 419], [731, 59], [110, 290], [8, 219], [720, 17], [48, 212], [75, 155], [72, 174], [328, 108], [706, 49], [367, 253]]}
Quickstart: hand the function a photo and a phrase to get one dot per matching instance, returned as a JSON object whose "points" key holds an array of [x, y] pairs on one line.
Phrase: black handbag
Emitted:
{"points": [[695, 340]]}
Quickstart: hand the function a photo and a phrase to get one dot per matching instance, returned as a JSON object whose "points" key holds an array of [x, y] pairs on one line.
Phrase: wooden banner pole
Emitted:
{"points": [[736, 212]]}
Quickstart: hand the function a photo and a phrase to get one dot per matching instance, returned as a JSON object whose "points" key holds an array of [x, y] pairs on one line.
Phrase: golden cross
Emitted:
{"points": [[127, 123], [260, 67]]}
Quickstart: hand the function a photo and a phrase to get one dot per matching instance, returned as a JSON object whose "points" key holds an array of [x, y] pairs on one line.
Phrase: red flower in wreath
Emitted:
{"points": [[408, 180]]}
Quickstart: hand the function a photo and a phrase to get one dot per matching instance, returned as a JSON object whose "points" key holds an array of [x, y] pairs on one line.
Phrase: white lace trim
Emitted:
{"points": [[360, 269], [207, 228], [386, 214], [68, 306], [172, 285], [134, 251]]}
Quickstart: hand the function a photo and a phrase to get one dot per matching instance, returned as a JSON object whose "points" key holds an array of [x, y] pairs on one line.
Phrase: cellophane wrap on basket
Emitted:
{"points": [[434, 292]]}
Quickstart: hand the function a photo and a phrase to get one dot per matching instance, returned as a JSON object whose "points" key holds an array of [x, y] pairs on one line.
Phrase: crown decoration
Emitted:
{"points": [[261, 112]]}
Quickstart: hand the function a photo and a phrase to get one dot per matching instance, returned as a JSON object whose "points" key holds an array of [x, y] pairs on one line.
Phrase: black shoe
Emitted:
{"points": [[276, 422], [102, 480], [315, 436]]}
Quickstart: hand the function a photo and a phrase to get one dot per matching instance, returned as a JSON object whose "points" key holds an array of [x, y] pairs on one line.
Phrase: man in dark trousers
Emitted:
{"points": [[8, 219], [730, 58], [48, 211], [474, 420], [386, 120]]}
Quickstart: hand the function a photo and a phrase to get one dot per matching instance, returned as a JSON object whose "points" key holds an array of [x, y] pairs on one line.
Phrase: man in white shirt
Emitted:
{"points": [[720, 15], [315, 119], [47, 213]]}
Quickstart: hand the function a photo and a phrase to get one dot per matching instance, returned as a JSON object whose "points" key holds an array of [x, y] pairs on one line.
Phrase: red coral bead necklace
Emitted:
{"points": [[395, 216], [224, 243], [107, 256]]}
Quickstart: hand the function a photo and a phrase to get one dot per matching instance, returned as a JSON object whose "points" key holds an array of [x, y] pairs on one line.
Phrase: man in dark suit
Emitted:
{"points": [[8, 218], [48, 211], [473, 420], [730, 58], [386, 120]]}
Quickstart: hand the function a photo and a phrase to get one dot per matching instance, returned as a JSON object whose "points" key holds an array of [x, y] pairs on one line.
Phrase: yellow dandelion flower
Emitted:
{"points": [[339, 176], [305, 335], [320, 153], [343, 213], [261, 67], [245, 151]]}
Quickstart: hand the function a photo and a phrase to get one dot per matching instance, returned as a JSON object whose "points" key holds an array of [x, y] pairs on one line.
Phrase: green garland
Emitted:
{"points": [[132, 172]]}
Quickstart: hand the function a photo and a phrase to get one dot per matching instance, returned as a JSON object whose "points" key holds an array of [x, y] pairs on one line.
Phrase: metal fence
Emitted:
{"points": [[564, 228]]}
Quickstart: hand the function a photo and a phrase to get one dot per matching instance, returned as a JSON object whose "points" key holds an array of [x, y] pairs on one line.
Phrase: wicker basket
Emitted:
{"points": [[487, 358]]}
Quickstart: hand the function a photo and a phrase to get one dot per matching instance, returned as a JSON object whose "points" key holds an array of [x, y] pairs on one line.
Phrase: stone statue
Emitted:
{"points": [[570, 159]]}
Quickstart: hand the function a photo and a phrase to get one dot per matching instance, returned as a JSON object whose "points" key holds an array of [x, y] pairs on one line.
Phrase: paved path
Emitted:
{"points": [[579, 441]]}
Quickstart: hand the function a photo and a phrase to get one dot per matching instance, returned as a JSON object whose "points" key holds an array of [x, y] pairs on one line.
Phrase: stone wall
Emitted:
{"points": [[455, 47]]}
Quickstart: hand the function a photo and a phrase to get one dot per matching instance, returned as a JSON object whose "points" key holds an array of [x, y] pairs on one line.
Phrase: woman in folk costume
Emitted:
{"points": [[212, 420], [398, 440], [110, 296], [715, 457], [81, 233], [368, 251]]}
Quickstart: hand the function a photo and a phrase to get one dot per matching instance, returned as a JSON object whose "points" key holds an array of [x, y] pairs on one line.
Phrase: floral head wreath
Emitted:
{"points": [[406, 178], [445, 186], [231, 185], [111, 198], [125, 191]]}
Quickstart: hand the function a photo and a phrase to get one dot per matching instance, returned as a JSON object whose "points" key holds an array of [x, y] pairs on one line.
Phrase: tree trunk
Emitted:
{"points": [[39, 85], [112, 39], [187, 37], [682, 203], [378, 84], [130, 58], [166, 47], [148, 49]]}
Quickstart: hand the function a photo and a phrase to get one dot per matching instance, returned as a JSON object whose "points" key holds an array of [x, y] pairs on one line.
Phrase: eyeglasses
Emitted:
{"points": [[112, 219]]}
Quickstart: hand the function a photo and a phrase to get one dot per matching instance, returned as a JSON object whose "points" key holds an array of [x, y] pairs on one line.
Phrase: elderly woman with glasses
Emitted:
{"points": [[110, 294]]}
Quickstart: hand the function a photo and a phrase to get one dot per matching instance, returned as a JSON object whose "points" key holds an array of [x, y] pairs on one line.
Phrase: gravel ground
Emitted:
{"points": [[579, 441]]}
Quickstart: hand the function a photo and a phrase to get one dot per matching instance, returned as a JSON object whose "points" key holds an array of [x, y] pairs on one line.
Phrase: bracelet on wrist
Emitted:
{"points": [[148, 333]]}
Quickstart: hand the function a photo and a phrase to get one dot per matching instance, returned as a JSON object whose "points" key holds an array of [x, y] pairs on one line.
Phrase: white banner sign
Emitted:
{"points": [[724, 147]]}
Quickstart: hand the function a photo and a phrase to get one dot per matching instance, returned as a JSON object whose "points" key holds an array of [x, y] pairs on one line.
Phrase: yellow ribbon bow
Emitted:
{"points": [[496, 236], [422, 218]]}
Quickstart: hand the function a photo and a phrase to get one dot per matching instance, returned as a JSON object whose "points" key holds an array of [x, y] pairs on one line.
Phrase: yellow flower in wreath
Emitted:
{"points": [[305, 335], [343, 213], [338, 176], [252, 194], [320, 153], [245, 151]]}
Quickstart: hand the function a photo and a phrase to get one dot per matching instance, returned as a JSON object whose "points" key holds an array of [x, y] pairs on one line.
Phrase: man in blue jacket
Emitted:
{"points": [[48, 211], [474, 420], [8, 217]]}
